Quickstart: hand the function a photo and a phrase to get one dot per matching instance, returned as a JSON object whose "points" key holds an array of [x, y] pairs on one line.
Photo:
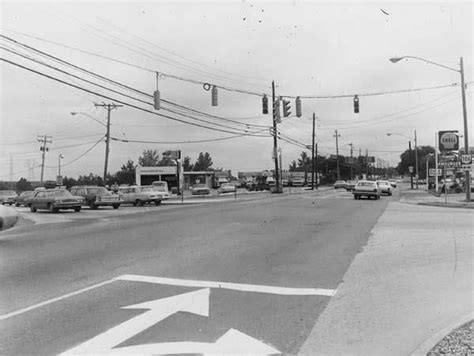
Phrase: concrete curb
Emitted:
{"points": [[427, 345]]}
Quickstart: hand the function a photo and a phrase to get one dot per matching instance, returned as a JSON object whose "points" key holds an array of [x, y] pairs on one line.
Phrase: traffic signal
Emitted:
{"points": [[286, 108], [356, 104], [214, 95], [276, 110], [156, 100], [298, 106], [265, 104]]}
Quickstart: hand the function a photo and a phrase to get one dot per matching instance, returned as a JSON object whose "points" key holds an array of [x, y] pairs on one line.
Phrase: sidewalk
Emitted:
{"points": [[410, 286], [423, 197]]}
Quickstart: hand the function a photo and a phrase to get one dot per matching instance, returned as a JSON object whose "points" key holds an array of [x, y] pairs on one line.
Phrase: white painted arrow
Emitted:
{"points": [[196, 302], [232, 342]]}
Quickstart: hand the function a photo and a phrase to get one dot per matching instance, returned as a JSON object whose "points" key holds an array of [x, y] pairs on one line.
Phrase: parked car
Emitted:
{"points": [[393, 183], [366, 188], [284, 182], [21, 199], [155, 190], [340, 184], [95, 196], [297, 182], [134, 195], [162, 187], [54, 200], [350, 185], [227, 188], [8, 197], [385, 187], [200, 189]]}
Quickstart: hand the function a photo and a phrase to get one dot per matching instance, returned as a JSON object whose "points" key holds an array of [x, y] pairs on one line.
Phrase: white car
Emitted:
{"points": [[385, 187], [366, 188]]}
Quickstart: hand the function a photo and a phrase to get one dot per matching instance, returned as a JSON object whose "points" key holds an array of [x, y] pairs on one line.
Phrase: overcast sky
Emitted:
{"points": [[309, 48]]}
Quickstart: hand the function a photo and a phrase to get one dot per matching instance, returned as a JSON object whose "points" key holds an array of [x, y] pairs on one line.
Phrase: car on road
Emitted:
{"points": [[136, 196], [366, 188], [200, 189], [350, 185], [227, 188], [297, 182], [162, 187], [393, 183], [21, 199], [284, 182], [385, 187], [156, 191], [340, 184], [8, 196], [95, 196], [54, 200]]}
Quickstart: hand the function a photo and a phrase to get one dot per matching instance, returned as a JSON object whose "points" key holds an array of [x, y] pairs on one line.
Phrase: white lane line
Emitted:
{"points": [[57, 299], [225, 285]]}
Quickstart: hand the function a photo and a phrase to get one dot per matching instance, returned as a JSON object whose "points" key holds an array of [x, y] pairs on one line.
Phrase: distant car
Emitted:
{"points": [[54, 200], [340, 184], [21, 199], [350, 185], [385, 187], [134, 195], [200, 189], [271, 181], [366, 188], [95, 196], [297, 182], [8, 196], [284, 182], [393, 183], [153, 189], [227, 188]]}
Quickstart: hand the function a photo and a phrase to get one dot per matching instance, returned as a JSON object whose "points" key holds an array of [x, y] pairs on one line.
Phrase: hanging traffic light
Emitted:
{"points": [[265, 104], [214, 96], [298, 106], [356, 104], [156, 100], [276, 110], [286, 108]]}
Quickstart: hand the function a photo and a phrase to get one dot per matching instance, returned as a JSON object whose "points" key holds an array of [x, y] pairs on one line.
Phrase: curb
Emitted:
{"points": [[427, 345]]}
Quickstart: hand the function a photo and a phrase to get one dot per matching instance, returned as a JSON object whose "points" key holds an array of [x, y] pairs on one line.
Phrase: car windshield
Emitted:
{"points": [[200, 186], [149, 189], [98, 191], [366, 184], [59, 193], [382, 182]]}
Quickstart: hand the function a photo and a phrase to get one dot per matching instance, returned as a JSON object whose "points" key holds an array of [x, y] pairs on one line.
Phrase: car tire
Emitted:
{"points": [[158, 202], [50, 208], [139, 202], [32, 209], [77, 209], [17, 204], [116, 206]]}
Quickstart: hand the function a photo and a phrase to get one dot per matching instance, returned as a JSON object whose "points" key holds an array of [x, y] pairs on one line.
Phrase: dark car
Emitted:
{"points": [[54, 200], [95, 196], [21, 199]]}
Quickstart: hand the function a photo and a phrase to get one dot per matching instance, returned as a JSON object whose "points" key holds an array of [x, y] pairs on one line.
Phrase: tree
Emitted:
{"points": [[91, 179], [126, 175], [166, 160], [187, 165], [23, 185], [149, 158], [69, 182], [407, 160], [203, 163], [292, 167]]}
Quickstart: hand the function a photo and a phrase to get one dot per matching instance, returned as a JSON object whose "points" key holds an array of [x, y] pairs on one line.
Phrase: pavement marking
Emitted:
{"points": [[57, 299], [226, 285]]}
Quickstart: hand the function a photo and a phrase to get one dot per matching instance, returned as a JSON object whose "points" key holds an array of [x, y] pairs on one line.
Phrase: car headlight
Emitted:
{"points": [[59, 201]]}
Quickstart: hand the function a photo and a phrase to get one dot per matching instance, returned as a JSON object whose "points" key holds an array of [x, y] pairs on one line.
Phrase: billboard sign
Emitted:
{"points": [[448, 141]]}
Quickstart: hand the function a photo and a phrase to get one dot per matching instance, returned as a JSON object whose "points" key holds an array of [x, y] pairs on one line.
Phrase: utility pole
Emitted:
{"points": [[367, 161], [275, 141], [109, 108], [416, 162], [317, 167], [337, 155], [312, 154], [44, 140], [411, 161], [352, 161]]}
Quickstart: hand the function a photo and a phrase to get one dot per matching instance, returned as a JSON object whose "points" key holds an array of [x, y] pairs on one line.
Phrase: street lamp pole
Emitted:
{"points": [[60, 156], [464, 110]]}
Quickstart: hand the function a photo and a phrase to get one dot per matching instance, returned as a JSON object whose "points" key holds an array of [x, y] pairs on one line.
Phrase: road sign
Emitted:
{"points": [[59, 180], [448, 141], [173, 154], [466, 159], [410, 169], [432, 172]]}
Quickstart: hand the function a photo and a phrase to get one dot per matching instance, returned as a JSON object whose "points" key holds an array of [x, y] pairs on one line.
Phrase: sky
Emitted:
{"points": [[324, 52]]}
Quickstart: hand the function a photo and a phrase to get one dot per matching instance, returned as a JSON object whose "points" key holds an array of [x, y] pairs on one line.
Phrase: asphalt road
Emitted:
{"points": [[277, 260]]}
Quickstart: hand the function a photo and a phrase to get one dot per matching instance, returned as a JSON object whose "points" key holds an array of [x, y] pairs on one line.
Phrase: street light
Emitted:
{"points": [[89, 116], [464, 110], [416, 156]]}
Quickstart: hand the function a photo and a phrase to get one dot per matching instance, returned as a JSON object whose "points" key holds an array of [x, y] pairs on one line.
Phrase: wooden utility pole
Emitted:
{"points": [[337, 156], [109, 108], [44, 140], [312, 153]]}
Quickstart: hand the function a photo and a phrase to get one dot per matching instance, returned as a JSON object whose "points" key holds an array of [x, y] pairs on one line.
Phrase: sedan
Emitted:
{"points": [[54, 200], [227, 188], [340, 184], [200, 189], [8, 197], [366, 188], [21, 199], [385, 187], [350, 185]]}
